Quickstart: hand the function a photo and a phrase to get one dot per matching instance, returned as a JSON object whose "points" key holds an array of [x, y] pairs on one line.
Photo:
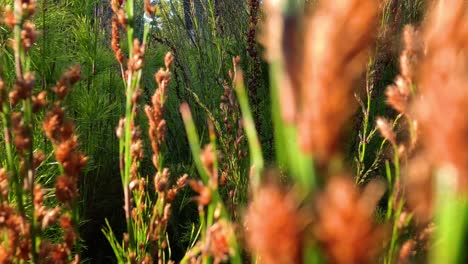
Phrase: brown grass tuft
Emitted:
{"points": [[273, 226], [443, 79], [337, 41]]}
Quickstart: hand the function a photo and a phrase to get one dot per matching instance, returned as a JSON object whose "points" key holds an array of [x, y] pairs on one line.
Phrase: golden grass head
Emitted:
{"points": [[155, 112], [135, 63], [272, 28], [168, 59], [386, 130], [26, 7], [23, 88], [22, 133], [398, 95], [337, 42], [117, 7], [219, 236], [418, 178], [344, 225], [28, 35], [412, 52], [274, 226], [115, 40], [442, 83], [149, 9], [4, 183], [66, 81], [204, 193]]}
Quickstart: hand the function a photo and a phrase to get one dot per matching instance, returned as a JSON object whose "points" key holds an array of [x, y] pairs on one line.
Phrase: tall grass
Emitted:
{"points": [[338, 137], [28, 213]]}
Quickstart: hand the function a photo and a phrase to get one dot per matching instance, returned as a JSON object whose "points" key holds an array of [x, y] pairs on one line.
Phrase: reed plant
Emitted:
{"points": [[27, 214], [351, 150], [146, 214]]}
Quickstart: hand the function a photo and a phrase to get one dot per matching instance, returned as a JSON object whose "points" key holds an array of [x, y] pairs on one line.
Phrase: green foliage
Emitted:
{"points": [[204, 39]]}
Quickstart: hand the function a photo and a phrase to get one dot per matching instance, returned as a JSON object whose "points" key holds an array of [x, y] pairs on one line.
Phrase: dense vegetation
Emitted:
{"points": [[233, 131]]}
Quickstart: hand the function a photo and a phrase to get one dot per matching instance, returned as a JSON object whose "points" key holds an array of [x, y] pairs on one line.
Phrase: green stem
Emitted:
{"points": [[128, 160], [390, 214], [43, 51], [194, 143], [125, 144], [130, 7], [391, 251], [255, 148], [451, 215], [390, 200], [20, 59], [366, 115], [28, 122], [397, 164]]}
